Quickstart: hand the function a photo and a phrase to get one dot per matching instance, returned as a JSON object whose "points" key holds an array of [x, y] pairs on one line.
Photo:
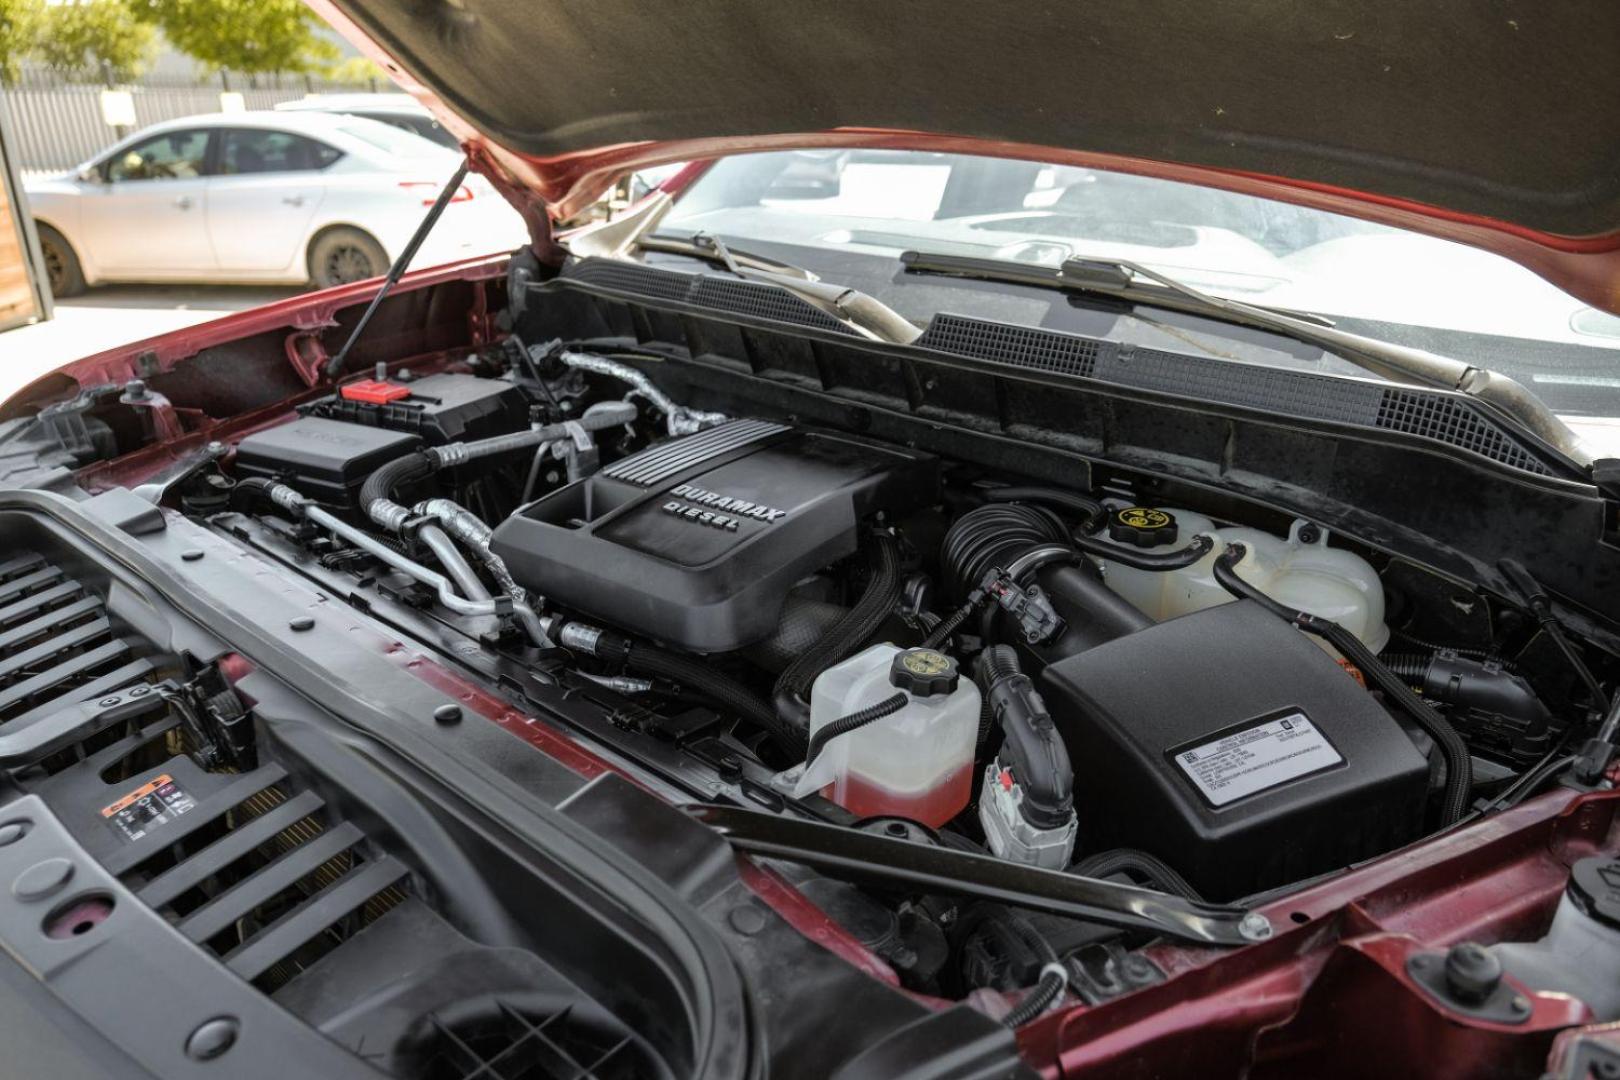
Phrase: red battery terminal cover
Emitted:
{"points": [[375, 392]]}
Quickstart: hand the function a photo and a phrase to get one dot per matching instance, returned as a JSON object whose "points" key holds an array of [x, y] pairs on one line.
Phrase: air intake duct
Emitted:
{"points": [[1000, 534]]}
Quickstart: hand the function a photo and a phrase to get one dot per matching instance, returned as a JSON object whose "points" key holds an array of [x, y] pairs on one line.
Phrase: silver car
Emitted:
{"points": [[263, 197]]}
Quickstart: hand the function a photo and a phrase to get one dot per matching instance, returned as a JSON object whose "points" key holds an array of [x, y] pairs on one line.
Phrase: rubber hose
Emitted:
{"points": [[644, 659], [247, 492], [999, 661], [855, 720], [1156, 871], [388, 478], [947, 626], [1410, 666], [1088, 508], [1140, 559], [1541, 607], [1052, 980], [992, 535], [1031, 747], [1037, 1001], [804, 622], [1032, 938], [1460, 650], [850, 633], [1459, 765]]}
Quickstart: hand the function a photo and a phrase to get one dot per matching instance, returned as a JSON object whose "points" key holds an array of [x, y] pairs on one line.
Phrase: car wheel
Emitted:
{"points": [[62, 270], [339, 256]]}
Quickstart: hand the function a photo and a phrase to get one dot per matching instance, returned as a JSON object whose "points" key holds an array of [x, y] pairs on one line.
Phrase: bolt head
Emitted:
{"points": [[1472, 972], [448, 713], [1255, 927]]}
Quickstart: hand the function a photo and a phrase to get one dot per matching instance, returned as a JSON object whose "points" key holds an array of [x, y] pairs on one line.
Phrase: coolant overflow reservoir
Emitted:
{"points": [[916, 763], [1299, 570]]}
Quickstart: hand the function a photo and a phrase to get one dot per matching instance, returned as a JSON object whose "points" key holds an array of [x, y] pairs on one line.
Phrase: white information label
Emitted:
{"points": [[1257, 758]]}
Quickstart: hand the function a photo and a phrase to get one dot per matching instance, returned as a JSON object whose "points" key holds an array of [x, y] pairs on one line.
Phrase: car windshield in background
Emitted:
{"points": [[1371, 279]]}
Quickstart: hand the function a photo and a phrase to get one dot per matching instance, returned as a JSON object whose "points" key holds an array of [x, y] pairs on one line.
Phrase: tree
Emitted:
{"points": [[19, 30], [250, 36], [94, 38], [357, 71]]}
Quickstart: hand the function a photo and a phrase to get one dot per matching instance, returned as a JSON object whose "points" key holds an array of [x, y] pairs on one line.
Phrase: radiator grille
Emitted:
{"points": [[263, 875]]}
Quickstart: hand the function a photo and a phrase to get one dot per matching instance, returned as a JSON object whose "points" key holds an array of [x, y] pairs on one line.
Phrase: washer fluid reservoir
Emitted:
{"points": [[1304, 574], [915, 763]]}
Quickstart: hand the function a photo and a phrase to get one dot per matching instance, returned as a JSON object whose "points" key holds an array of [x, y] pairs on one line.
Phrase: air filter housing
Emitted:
{"points": [[1230, 745]]}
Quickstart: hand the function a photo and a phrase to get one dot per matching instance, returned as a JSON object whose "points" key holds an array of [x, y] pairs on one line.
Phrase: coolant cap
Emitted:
{"points": [[1594, 886], [1142, 526], [924, 672]]}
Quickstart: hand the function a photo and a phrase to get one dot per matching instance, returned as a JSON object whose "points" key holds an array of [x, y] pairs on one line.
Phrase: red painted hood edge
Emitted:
{"points": [[311, 311], [558, 188]]}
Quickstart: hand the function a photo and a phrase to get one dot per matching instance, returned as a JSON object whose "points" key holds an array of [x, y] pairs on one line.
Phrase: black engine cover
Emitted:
{"points": [[696, 541]]}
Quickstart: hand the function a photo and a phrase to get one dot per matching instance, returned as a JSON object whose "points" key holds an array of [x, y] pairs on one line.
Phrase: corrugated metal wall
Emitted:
{"points": [[56, 124]]}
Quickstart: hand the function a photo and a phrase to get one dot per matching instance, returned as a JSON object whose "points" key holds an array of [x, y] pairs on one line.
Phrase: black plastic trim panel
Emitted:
{"points": [[143, 985], [1427, 414], [1441, 417], [753, 299]]}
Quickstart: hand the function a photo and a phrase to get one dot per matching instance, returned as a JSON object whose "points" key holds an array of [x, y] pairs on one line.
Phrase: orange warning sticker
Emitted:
{"points": [[148, 806], [135, 796]]}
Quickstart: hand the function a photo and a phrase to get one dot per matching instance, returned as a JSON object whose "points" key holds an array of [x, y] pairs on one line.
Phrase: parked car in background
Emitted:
{"points": [[396, 110], [283, 197]]}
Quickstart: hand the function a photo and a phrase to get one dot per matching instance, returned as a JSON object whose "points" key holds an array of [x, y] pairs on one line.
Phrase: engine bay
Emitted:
{"points": [[1016, 689], [1214, 701]]}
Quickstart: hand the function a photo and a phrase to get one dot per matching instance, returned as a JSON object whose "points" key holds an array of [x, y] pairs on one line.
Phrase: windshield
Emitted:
{"points": [[1370, 279]]}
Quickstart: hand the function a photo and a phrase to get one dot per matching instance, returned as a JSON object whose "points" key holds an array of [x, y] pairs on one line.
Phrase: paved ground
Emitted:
{"points": [[114, 315]]}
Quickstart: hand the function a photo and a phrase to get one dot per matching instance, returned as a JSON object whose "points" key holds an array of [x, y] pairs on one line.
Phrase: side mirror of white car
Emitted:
{"points": [[90, 175]]}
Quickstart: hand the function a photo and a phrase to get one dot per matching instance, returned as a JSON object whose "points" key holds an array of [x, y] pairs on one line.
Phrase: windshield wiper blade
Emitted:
{"points": [[631, 232], [853, 855], [1103, 277], [713, 249], [862, 313], [1118, 278]]}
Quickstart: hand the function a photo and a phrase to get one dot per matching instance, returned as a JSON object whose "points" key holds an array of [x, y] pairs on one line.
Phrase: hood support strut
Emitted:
{"points": [[335, 365]]}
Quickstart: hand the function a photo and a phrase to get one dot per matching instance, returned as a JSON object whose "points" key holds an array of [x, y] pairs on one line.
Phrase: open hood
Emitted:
{"points": [[1495, 124]]}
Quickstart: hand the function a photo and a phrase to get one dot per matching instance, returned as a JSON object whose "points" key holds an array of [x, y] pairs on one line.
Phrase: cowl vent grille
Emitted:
{"points": [[723, 294], [1066, 354], [1454, 422], [57, 644], [1441, 417]]}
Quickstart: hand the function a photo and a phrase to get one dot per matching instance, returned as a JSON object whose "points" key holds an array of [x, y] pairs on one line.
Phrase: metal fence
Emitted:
{"points": [[56, 124]]}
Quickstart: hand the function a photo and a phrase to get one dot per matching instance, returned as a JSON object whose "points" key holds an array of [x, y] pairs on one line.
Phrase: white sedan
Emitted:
{"points": [[282, 197]]}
